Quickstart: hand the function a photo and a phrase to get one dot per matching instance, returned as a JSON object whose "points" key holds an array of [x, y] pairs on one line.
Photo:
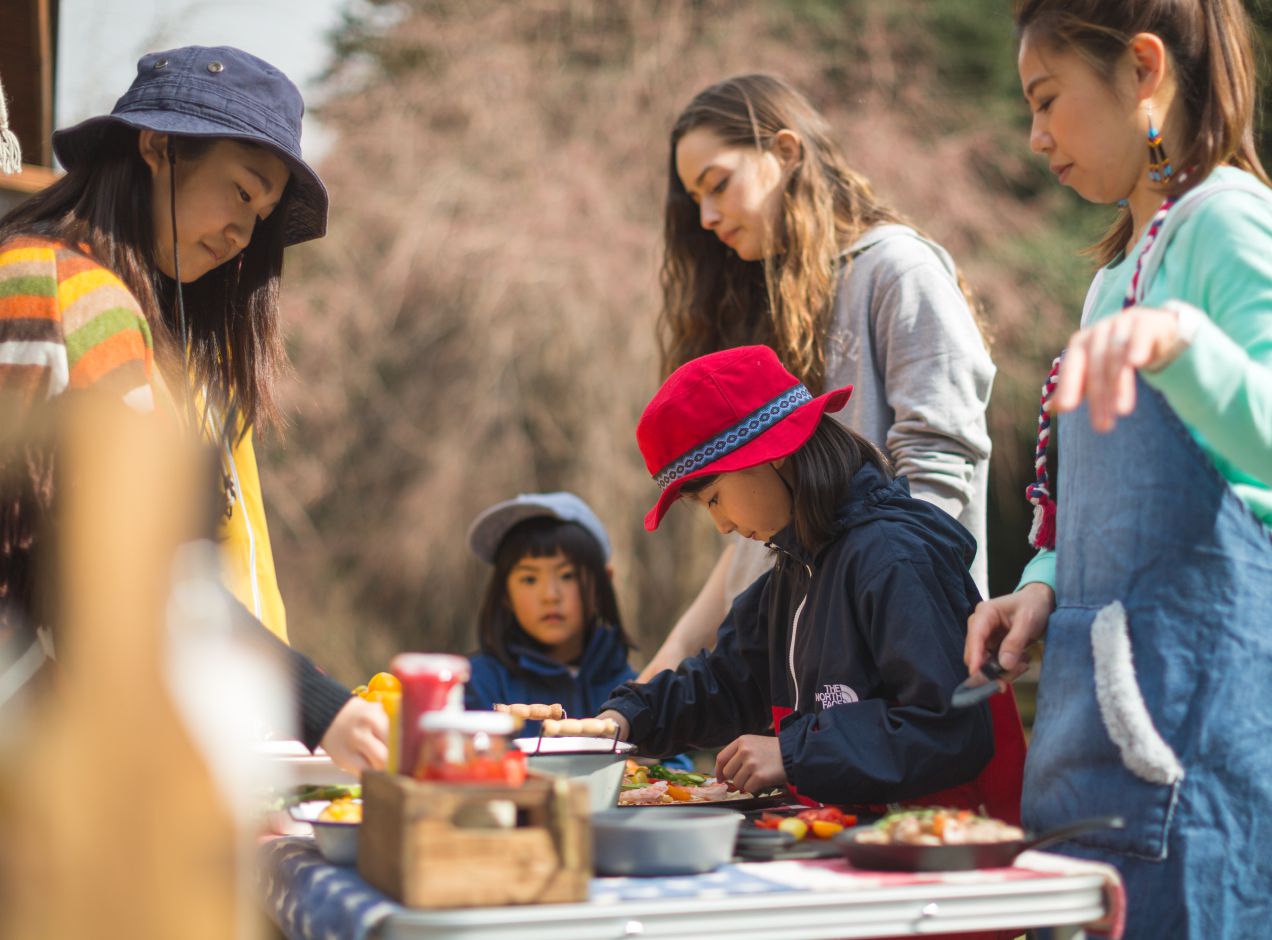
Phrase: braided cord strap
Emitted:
{"points": [[1042, 533], [1154, 226]]}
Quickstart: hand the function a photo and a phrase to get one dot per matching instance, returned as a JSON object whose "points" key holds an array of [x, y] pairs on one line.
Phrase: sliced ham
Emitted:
{"points": [[710, 790], [650, 794]]}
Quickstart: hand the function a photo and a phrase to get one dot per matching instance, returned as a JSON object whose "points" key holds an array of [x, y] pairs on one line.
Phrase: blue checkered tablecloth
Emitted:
{"points": [[311, 899]]}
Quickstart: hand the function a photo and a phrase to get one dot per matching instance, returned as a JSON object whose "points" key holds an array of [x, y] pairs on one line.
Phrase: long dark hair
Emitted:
{"points": [[820, 478], [26, 513], [543, 537], [105, 203], [1212, 51]]}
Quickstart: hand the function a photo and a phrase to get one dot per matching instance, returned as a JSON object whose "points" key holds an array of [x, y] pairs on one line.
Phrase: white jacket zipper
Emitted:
{"points": [[795, 632]]}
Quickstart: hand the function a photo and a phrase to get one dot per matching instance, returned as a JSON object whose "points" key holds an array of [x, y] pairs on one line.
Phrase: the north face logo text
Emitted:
{"points": [[833, 695]]}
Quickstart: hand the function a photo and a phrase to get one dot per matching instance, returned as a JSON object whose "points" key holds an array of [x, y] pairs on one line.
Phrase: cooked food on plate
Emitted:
{"points": [[344, 809], [652, 784], [308, 793], [938, 827]]}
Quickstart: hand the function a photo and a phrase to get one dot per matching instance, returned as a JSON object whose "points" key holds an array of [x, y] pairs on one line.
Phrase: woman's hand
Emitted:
{"points": [[1008, 625], [752, 763], [1100, 362], [357, 738]]}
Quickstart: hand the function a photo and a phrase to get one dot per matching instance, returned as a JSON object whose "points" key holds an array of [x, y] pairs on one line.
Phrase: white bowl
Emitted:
{"points": [[337, 841], [597, 762], [679, 841], [300, 767]]}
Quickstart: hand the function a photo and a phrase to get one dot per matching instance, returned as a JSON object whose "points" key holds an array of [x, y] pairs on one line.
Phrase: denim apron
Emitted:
{"points": [[1156, 694]]}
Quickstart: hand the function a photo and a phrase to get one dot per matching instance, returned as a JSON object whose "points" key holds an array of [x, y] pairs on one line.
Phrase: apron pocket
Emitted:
{"points": [[1126, 719], [1095, 750]]}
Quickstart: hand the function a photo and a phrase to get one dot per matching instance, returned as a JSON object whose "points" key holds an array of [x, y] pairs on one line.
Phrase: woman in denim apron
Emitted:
{"points": [[1155, 580]]}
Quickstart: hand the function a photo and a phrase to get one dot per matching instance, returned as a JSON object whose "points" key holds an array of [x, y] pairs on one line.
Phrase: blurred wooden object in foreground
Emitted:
{"points": [[111, 822]]}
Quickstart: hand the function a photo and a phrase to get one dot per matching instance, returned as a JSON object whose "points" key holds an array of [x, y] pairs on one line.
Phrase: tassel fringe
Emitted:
{"points": [[1042, 534], [10, 152]]}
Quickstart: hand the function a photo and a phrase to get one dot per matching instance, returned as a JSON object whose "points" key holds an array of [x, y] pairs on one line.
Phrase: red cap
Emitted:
{"points": [[725, 412]]}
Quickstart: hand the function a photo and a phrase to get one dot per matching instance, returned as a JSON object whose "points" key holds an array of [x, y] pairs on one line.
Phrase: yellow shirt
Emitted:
{"points": [[245, 550]]}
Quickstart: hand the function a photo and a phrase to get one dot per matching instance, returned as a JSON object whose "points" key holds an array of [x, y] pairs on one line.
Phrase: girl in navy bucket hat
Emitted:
{"points": [[832, 674], [150, 272]]}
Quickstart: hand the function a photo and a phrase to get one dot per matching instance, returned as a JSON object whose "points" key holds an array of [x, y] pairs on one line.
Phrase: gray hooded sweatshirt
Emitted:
{"points": [[903, 336]]}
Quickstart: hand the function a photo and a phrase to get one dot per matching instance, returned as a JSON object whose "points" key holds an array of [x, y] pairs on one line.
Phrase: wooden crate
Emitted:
{"points": [[423, 844]]}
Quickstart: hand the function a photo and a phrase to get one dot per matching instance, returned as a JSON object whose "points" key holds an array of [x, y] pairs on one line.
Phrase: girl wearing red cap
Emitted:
{"points": [[850, 647], [150, 273], [771, 237]]}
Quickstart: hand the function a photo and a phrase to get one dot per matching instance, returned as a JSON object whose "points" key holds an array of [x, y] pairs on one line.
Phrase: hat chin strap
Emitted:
{"points": [[176, 272], [769, 543], [176, 257], [227, 479]]}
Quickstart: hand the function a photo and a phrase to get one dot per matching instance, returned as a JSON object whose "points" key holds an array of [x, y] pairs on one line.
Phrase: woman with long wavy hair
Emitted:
{"points": [[771, 237]]}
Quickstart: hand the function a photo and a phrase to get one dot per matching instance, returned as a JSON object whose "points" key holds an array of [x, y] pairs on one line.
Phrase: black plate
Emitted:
{"points": [[767, 845]]}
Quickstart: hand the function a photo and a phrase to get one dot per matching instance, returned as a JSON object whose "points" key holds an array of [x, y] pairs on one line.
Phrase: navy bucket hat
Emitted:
{"points": [[216, 91]]}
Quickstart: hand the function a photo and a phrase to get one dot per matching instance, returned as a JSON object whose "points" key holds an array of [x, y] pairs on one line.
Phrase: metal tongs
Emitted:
{"points": [[553, 723], [967, 695]]}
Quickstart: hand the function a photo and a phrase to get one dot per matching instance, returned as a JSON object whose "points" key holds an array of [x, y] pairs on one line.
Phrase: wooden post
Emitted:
{"points": [[114, 827]]}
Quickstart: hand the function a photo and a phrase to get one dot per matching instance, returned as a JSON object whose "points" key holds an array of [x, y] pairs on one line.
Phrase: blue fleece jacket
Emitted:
{"points": [[857, 651], [538, 679]]}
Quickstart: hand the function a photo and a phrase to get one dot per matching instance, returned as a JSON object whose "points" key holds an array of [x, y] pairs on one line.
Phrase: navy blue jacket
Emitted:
{"points": [[537, 678], [856, 649]]}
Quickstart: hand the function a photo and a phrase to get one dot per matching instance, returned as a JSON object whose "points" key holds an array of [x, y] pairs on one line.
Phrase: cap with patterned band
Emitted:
{"points": [[725, 412]]}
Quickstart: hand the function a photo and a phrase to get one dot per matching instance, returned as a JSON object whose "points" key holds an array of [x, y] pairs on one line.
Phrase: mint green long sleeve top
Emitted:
{"points": [[1219, 262]]}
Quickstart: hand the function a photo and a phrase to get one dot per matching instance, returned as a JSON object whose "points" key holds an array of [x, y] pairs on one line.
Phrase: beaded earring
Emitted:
{"points": [[1159, 168]]}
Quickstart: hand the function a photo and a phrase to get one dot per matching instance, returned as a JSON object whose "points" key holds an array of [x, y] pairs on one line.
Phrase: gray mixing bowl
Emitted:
{"points": [[598, 762], [663, 841]]}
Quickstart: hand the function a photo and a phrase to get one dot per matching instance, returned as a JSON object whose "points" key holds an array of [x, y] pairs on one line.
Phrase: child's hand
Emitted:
{"points": [[357, 738], [624, 729], [752, 763], [1008, 624], [1100, 362]]}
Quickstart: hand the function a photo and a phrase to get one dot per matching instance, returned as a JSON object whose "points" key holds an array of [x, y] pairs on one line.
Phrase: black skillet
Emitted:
{"points": [[904, 857]]}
